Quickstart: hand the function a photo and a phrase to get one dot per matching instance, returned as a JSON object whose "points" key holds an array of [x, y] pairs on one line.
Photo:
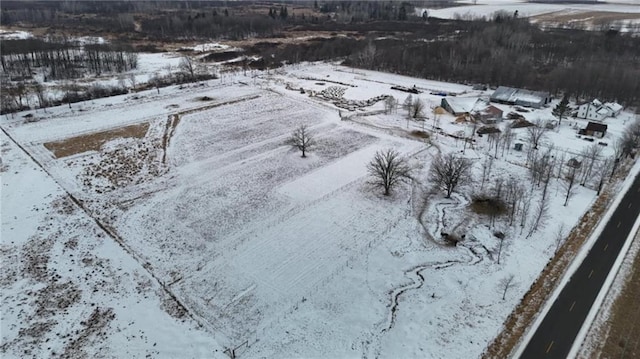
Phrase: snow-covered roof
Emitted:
{"points": [[490, 110], [614, 106], [511, 95], [463, 104]]}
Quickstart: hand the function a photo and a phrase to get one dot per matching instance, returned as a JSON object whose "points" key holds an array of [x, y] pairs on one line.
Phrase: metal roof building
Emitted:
{"points": [[521, 97]]}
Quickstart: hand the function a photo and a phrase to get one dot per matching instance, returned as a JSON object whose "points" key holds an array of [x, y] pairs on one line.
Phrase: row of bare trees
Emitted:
{"points": [[450, 171], [508, 199], [388, 168]]}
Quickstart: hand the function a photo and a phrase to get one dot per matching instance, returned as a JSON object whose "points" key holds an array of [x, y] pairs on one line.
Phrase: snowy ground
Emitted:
{"points": [[276, 255], [547, 14], [68, 289]]}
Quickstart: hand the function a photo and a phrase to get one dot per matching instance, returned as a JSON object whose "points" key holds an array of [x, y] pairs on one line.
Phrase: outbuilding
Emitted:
{"points": [[521, 97]]}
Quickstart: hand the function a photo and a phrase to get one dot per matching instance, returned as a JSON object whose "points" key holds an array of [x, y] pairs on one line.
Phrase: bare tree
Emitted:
{"points": [[407, 104], [541, 215], [603, 171], [570, 181], [302, 139], [536, 133], [387, 168], [501, 238], [188, 65], [486, 169], [561, 162], [525, 207], [618, 152], [541, 168], [368, 54], [515, 193], [631, 138], [496, 139], [507, 138], [41, 94], [496, 205], [417, 108], [590, 154], [506, 283], [390, 105], [450, 171], [155, 81], [559, 236], [547, 175], [132, 80]]}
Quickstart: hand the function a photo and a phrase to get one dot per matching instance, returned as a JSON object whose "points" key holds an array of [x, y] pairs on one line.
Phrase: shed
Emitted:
{"points": [[521, 123], [594, 129], [459, 105], [488, 115], [487, 130]]}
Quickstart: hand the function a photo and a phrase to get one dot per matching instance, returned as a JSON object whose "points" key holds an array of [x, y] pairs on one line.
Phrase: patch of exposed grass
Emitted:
{"points": [[419, 134], [623, 340], [94, 141], [488, 206]]}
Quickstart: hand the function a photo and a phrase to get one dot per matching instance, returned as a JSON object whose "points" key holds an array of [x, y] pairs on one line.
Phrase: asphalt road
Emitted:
{"points": [[557, 332]]}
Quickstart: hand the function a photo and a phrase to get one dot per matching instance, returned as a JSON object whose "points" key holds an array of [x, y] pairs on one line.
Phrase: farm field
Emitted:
{"points": [[240, 244], [623, 14]]}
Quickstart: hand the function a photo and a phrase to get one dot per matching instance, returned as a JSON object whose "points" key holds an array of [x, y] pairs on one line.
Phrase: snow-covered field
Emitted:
{"points": [[68, 290], [526, 9], [271, 254], [588, 16]]}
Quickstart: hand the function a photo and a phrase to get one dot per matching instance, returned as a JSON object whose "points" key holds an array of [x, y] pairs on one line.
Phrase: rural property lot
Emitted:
{"points": [[282, 256]]}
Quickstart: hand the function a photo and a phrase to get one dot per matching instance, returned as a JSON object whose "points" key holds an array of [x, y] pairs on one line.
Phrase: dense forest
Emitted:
{"points": [[387, 36], [513, 52], [64, 59]]}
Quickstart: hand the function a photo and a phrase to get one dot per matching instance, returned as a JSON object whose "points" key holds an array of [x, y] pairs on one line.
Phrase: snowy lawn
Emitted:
{"points": [[283, 256], [70, 290]]}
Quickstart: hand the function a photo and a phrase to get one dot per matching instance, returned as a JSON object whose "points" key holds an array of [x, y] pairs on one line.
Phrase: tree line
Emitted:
{"points": [[63, 59], [515, 53]]}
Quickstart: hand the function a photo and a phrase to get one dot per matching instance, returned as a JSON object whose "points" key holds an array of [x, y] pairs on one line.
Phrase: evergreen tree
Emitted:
{"points": [[562, 109], [283, 12]]}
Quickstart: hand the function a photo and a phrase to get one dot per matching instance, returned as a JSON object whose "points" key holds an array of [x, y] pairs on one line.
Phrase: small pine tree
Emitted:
{"points": [[562, 109]]}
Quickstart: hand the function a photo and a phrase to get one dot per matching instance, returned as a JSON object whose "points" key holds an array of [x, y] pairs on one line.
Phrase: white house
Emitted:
{"points": [[598, 111], [614, 107]]}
